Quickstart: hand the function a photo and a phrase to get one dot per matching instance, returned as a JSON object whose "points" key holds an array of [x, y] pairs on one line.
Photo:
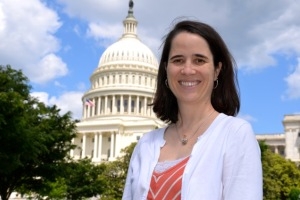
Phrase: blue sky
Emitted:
{"points": [[58, 45]]}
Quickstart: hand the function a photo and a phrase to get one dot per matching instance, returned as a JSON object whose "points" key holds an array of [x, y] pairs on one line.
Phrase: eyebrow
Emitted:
{"points": [[176, 56], [201, 56], [197, 55]]}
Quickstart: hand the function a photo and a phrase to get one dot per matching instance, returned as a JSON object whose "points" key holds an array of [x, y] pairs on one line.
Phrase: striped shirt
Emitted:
{"points": [[167, 184]]}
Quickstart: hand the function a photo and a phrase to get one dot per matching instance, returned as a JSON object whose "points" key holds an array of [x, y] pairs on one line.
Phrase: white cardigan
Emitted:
{"points": [[224, 164]]}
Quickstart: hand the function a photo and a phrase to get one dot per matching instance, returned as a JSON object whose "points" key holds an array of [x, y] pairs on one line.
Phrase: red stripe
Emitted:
{"points": [[167, 185]]}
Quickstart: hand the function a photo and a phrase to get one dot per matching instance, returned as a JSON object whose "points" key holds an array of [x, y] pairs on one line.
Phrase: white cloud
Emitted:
{"points": [[93, 9], [49, 67], [293, 83], [27, 39], [254, 31], [69, 101], [105, 34]]}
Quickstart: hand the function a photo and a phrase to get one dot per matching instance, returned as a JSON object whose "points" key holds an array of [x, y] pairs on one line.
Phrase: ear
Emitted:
{"points": [[218, 70]]}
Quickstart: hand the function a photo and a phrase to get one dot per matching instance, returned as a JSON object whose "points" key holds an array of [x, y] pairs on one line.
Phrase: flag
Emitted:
{"points": [[89, 102]]}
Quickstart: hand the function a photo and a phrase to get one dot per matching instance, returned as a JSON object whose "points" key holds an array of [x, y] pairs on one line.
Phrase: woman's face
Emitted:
{"points": [[190, 69]]}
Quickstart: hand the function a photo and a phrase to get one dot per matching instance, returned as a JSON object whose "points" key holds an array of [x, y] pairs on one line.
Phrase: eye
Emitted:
{"points": [[177, 61], [199, 61]]}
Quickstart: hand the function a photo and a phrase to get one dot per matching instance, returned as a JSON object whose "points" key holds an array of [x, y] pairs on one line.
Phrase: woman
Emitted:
{"points": [[205, 152]]}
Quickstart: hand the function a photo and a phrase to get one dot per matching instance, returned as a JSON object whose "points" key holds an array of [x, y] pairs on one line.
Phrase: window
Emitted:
{"points": [[140, 107], [118, 106], [125, 105], [132, 105]]}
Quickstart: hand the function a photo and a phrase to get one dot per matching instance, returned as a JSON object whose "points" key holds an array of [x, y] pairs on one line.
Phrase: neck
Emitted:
{"points": [[191, 132], [189, 116]]}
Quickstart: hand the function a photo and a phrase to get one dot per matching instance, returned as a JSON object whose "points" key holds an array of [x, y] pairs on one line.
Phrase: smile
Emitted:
{"points": [[189, 83]]}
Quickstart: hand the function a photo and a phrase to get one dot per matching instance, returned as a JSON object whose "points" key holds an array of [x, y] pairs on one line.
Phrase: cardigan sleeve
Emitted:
{"points": [[127, 194], [242, 172]]}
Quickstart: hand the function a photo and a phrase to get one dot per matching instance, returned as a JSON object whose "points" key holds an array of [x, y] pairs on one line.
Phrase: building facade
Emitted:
{"points": [[286, 144]]}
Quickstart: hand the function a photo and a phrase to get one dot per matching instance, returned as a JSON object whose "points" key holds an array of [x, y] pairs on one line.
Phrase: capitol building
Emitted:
{"points": [[116, 109], [286, 144]]}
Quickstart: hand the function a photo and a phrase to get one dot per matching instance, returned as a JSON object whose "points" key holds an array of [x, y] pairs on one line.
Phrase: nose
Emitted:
{"points": [[188, 68]]}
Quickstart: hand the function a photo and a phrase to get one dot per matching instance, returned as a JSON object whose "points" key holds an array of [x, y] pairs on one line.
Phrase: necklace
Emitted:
{"points": [[185, 139]]}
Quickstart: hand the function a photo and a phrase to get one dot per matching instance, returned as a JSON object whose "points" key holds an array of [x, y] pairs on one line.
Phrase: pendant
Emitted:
{"points": [[184, 140]]}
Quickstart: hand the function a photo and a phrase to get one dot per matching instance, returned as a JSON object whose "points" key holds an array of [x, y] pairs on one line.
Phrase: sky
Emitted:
{"points": [[58, 43]]}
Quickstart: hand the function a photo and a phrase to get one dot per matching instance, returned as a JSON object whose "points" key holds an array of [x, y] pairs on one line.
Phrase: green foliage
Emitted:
{"points": [[34, 138], [56, 189], [82, 179], [280, 176], [115, 175], [294, 194]]}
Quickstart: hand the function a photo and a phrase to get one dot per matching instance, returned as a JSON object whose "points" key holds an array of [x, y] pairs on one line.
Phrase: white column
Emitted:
{"points": [[99, 105], [112, 146], [118, 143], [151, 110], [83, 145], [105, 105], [72, 150], [276, 149], [129, 104], [121, 105], [113, 104], [145, 106], [137, 104], [93, 107], [109, 106], [95, 155], [100, 147]]}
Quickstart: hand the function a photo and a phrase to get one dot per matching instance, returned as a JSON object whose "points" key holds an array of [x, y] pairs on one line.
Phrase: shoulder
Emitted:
{"points": [[233, 123], [234, 128], [151, 139], [156, 134]]}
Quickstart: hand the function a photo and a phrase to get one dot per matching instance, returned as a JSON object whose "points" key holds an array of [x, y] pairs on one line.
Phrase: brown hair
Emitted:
{"points": [[225, 97]]}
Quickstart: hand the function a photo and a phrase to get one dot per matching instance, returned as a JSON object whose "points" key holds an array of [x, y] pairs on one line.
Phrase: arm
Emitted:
{"points": [[242, 172], [127, 189]]}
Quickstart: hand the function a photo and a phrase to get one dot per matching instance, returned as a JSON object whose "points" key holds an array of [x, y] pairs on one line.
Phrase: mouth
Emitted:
{"points": [[189, 83]]}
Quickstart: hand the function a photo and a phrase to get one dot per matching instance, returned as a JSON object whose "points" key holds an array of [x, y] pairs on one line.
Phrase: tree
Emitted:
{"points": [[81, 179], [294, 194], [34, 138], [84, 179], [281, 177], [115, 174]]}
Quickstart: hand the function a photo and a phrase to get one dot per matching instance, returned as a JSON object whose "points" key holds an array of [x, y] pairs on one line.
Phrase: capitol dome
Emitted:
{"points": [[128, 49], [126, 67]]}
